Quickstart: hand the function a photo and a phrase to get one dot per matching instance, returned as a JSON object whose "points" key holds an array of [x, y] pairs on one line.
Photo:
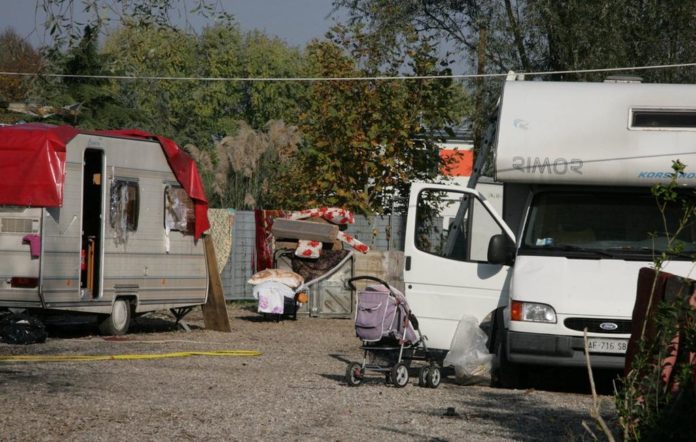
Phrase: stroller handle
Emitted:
{"points": [[371, 278]]}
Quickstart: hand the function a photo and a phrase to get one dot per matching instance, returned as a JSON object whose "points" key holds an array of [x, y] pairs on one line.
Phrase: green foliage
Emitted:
{"points": [[544, 35], [87, 102], [367, 140], [648, 406], [249, 167], [16, 55]]}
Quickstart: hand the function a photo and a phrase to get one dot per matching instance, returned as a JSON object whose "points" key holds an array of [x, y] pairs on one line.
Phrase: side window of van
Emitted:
{"points": [[453, 225], [125, 205], [439, 230], [178, 210]]}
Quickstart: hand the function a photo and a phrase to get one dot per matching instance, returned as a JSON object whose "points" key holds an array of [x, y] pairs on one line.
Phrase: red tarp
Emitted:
{"points": [[32, 166]]}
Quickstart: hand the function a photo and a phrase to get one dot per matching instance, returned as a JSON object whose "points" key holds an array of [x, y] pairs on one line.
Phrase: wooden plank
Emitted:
{"points": [[214, 310], [294, 229]]}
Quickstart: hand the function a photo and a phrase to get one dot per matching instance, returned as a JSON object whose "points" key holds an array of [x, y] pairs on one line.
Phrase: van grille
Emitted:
{"points": [[593, 325], [18, 225]]}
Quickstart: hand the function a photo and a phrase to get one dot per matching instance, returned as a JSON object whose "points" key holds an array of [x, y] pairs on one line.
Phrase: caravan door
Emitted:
{"points": [[447, 273]]}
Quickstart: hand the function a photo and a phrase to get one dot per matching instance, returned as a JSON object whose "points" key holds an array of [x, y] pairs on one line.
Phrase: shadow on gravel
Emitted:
{"points": [[530, 416], [71, 327], [570, 380]]}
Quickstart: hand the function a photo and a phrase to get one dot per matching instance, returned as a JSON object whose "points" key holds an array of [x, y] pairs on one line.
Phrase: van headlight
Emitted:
{"points": [[532, 311]]}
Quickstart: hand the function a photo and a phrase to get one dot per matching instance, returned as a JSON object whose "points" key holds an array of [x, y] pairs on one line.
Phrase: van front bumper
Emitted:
{"points": [[556, 350]]}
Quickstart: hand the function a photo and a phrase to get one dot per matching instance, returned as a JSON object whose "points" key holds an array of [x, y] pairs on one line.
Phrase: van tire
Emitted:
{"points": [[504, 374], [118, 321]]}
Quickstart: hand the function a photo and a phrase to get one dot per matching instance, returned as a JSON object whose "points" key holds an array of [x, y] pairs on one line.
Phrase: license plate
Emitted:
{"points": [[600, 345]]}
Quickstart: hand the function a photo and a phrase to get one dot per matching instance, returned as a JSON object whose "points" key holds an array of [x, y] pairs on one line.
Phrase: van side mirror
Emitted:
{"points": [[501, 250]]}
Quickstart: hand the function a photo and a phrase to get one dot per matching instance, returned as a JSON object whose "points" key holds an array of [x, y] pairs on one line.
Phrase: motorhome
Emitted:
{"points": [[575, 163], [106, 223]]}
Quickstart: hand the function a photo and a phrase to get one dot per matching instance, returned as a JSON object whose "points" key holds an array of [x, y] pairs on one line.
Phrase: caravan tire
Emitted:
{"points": [[118, 321]]}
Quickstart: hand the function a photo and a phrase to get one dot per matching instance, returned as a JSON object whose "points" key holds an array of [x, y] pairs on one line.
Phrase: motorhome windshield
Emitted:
{"points": [[603, 225]]}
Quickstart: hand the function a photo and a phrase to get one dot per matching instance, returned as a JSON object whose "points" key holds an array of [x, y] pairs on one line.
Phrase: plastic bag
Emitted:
{"points": [[469, 354], [22, 330]]}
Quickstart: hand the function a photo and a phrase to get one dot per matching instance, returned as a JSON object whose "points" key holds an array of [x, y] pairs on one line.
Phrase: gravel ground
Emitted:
{"points": [[294, 391]]}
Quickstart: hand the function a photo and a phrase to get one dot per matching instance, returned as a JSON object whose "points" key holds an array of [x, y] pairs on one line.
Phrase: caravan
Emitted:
{"points": [[575, 163], [99, 222]]}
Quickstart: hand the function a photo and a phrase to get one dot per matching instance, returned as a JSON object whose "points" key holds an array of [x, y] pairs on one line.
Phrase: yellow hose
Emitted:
{"points": [[126, 357]]}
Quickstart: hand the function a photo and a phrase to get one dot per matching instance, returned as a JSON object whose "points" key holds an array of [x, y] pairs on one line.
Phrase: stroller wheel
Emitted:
{"points": [[399, 375], [423, 376], [354, 374], [433, 377]]}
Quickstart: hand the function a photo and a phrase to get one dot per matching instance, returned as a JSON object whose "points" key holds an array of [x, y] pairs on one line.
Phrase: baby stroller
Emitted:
{"points": [[391, 338]]}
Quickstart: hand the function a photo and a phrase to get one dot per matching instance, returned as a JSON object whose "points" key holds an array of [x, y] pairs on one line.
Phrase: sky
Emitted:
{"points": [[294, 21]]}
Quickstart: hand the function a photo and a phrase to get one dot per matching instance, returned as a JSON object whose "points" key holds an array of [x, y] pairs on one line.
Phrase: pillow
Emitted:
{"points": [[291, 279]]}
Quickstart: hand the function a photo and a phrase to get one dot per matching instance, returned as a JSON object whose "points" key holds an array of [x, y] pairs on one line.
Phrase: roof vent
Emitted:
{"points": [[623, 79]]}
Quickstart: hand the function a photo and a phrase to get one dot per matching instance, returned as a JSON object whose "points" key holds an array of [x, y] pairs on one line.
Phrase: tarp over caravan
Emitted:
{"points": [[32, 166]]}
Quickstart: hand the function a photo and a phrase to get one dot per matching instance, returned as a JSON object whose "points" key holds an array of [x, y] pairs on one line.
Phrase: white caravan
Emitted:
{"points": [[576, 162], [98, 222]]}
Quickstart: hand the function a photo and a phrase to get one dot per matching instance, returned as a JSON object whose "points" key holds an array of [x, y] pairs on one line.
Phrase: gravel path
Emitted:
{"points": [[293, 391]]}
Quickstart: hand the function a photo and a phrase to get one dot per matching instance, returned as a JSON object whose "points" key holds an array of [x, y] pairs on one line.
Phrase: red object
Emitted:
{"points": [[32, 166], [83, 259], [461, 162]]}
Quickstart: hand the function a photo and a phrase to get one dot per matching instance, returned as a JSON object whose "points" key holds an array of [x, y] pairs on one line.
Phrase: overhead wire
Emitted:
{"points": [[342, 79]]}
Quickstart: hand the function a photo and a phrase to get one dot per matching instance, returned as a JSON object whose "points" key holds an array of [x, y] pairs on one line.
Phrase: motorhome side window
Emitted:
{"points": [[125, 205], [453, 225], [178, 210]]}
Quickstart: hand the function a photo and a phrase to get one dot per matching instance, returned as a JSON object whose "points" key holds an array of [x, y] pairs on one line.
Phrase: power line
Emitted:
{"points": [[341, 79]]}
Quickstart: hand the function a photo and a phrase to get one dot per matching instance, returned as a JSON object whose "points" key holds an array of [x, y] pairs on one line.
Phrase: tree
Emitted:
{"points": [[537, 36], [16, 55], [82, 101], [365, 141]]}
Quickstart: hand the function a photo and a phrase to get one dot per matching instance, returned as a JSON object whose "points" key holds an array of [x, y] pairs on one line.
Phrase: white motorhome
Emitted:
{"points": [[576, 162], [99, 222]]}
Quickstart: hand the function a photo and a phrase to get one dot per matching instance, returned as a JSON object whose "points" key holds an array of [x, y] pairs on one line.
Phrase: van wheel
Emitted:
{"points": [[504, 374], [118, 321]]}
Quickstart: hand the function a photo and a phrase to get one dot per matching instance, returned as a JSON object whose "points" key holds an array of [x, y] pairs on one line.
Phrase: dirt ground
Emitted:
{"points": [[295, 390]]}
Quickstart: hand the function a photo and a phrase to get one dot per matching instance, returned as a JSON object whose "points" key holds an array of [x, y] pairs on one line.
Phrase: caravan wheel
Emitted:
{"points": [[118, 321]]}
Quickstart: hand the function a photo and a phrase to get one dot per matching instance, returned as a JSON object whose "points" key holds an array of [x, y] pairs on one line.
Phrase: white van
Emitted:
{"points": [[576, 162], [99, 222]]}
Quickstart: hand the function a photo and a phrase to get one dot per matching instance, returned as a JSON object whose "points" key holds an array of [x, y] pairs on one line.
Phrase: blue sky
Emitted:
{"points": [[295, 21]]}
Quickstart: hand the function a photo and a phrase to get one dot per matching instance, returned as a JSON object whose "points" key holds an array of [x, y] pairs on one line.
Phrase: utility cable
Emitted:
{"points": [[342, 79]]}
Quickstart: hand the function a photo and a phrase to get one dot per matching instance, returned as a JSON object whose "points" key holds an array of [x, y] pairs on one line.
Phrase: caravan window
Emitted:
{"points": [[125, 205], [178, 210], [663, 119]]}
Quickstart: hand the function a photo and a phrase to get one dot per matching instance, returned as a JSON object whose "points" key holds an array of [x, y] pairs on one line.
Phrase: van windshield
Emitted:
{"points": [[613, 225]]}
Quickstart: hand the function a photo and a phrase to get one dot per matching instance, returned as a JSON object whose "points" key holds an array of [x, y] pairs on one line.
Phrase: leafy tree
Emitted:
{"points": [[366, 140], [64, 19], [87, 102], [16, 55], [543, 35]]}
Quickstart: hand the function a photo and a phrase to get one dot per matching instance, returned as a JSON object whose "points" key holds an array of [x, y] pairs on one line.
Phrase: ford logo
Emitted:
{"points": [[608, 326]]}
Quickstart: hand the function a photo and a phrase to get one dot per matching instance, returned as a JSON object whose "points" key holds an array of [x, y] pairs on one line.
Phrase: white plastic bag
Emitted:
{"points": [[468, 353]]}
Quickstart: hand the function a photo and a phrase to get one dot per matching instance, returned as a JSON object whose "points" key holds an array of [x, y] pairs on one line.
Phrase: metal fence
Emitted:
{"points": [[383, 233]]}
